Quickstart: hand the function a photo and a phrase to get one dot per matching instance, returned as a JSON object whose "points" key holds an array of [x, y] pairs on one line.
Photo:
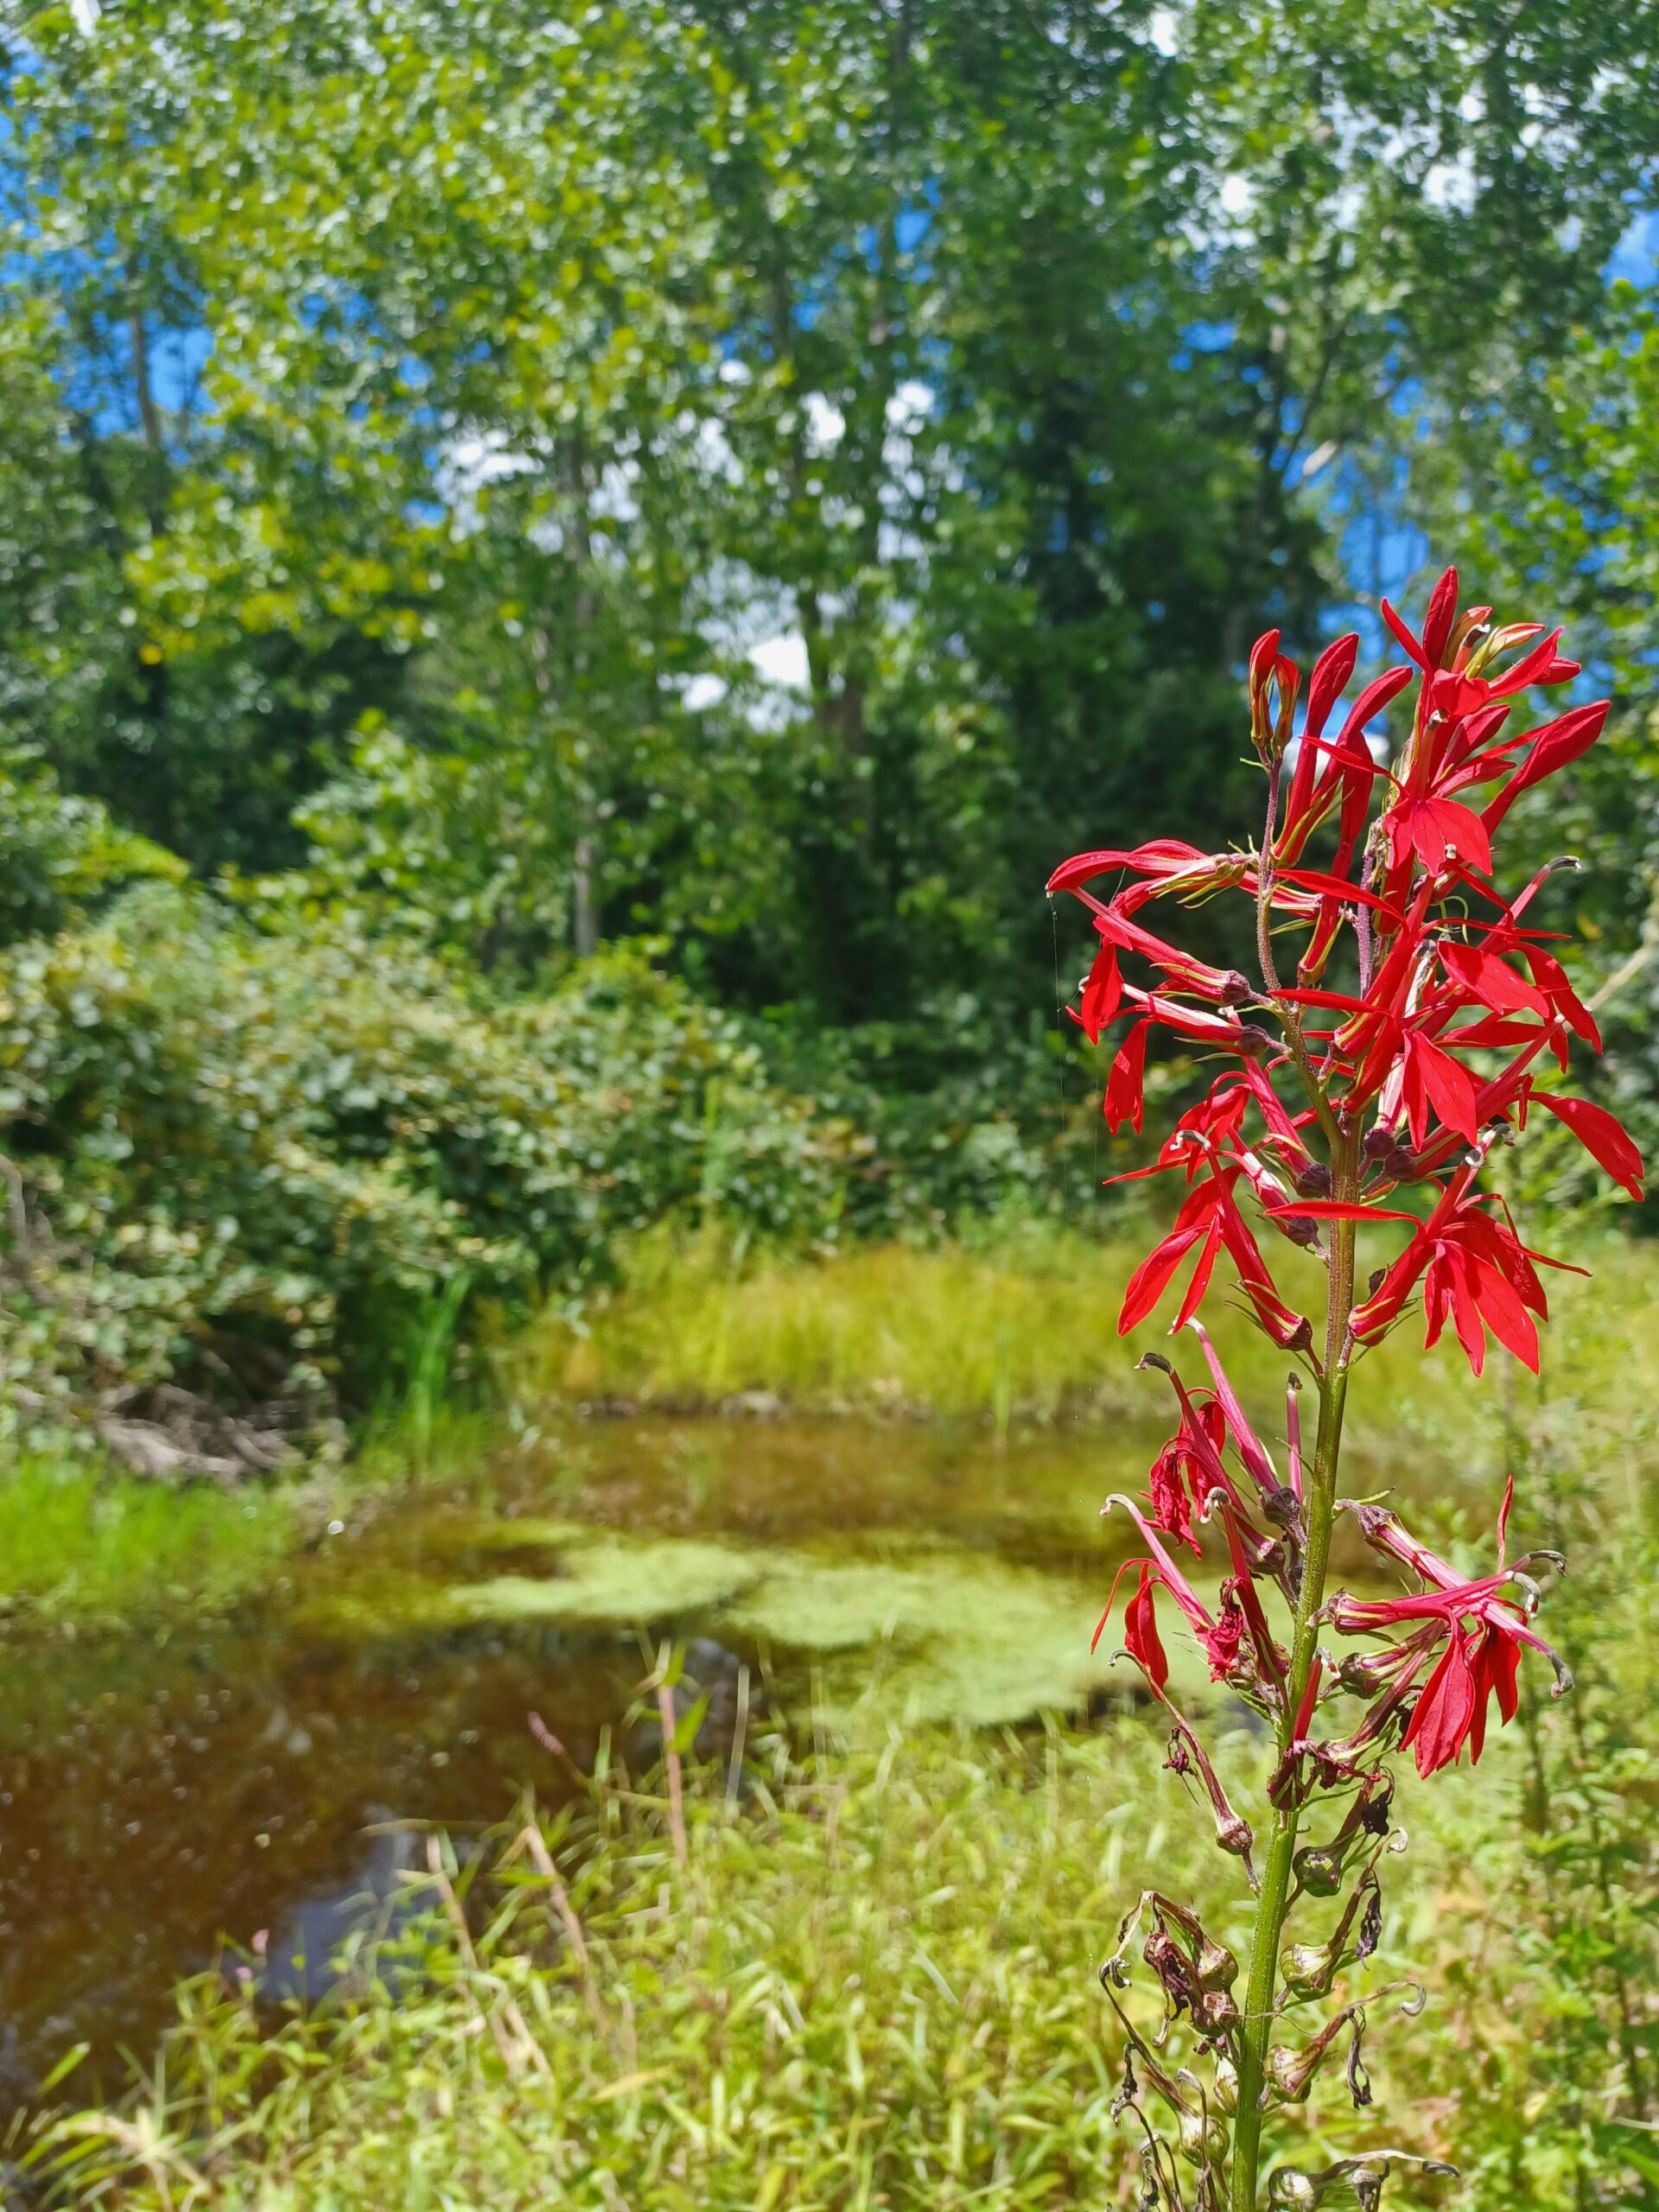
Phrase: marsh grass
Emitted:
{"points": [[82, 1541], [1014, 1330], [871, 1984], [1021, 1327]]}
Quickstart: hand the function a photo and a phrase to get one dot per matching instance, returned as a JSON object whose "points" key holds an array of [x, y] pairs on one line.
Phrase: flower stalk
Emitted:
{"points": [[1320, 1517], [1407, 1044]]}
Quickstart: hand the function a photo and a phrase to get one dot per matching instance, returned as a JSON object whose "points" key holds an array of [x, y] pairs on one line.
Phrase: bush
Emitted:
{"points": [[247, 1159]]}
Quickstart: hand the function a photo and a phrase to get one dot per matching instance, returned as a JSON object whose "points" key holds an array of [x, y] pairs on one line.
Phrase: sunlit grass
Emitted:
{"points": [[80, 1541], [1019, 1330], [1024, 1329], [873, 1984]]}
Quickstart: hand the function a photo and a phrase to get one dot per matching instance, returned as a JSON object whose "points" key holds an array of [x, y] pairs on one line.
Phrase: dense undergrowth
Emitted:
{"points": [[261, 1147]]}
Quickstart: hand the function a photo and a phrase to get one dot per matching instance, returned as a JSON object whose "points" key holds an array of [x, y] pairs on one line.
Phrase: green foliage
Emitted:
{"points": [[255, 1153], [59, 854], [456, 449]]}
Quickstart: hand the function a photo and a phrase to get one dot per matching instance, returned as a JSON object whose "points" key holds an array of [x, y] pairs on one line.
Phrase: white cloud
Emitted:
{"points": [[85, 13], [1237, 196], [1164, 29]]}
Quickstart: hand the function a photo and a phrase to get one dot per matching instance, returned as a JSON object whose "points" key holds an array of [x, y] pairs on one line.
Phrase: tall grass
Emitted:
{"points": [[871, 1984], [1023, 1326], [867, 1979]]}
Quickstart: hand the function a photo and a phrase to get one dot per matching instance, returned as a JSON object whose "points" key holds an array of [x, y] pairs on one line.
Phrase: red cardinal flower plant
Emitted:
{"points": [[1407, 1017]]}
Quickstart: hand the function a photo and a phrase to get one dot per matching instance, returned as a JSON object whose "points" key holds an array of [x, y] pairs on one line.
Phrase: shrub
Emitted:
{"points": [[248, 1157]]}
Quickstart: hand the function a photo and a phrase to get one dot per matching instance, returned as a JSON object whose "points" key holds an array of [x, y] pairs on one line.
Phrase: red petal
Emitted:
{"points": [[1159, 856], [1101, 995], [1331, 673], [1263, 654], [1492, 981], [1452, 825], [1442, 613], [1151, 1278], [1404, 635], [1200, 1282], [1141, 1637], [1445, 1711], [1530, 669], [1371, 701], [1450, 1087], [1554, 979], [1125, 1099], [1335, 1210], [1505, 1316], [1604, 1138]]}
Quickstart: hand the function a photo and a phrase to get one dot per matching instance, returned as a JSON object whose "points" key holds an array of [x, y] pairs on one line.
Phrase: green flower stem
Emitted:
{"points": [[1318, 1511]]}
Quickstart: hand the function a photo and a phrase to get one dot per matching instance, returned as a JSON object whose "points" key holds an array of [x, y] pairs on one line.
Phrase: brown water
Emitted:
{"points": [[205, 1781]]}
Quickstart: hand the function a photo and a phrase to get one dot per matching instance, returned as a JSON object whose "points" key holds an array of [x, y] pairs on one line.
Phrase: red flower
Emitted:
{"points": [[1451, 1709], [1221, 1636], [1327, 1100], [1485, 1628], [1475, 1272], [1140, 1638]]}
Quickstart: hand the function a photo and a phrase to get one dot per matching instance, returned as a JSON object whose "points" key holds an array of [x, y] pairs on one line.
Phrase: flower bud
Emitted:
{"points": [[1306, 1969], [1312, 1181], [1202, 2138], [1290, 2075], [1364, 1674], [1264, 653], [1218, 1966], [1298, 1228], [1318, 1871], [1300, 1339], [1292, 2190], [1282, 1507], [1235, 1835], [1214, 2012], [1224, 2095]]}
